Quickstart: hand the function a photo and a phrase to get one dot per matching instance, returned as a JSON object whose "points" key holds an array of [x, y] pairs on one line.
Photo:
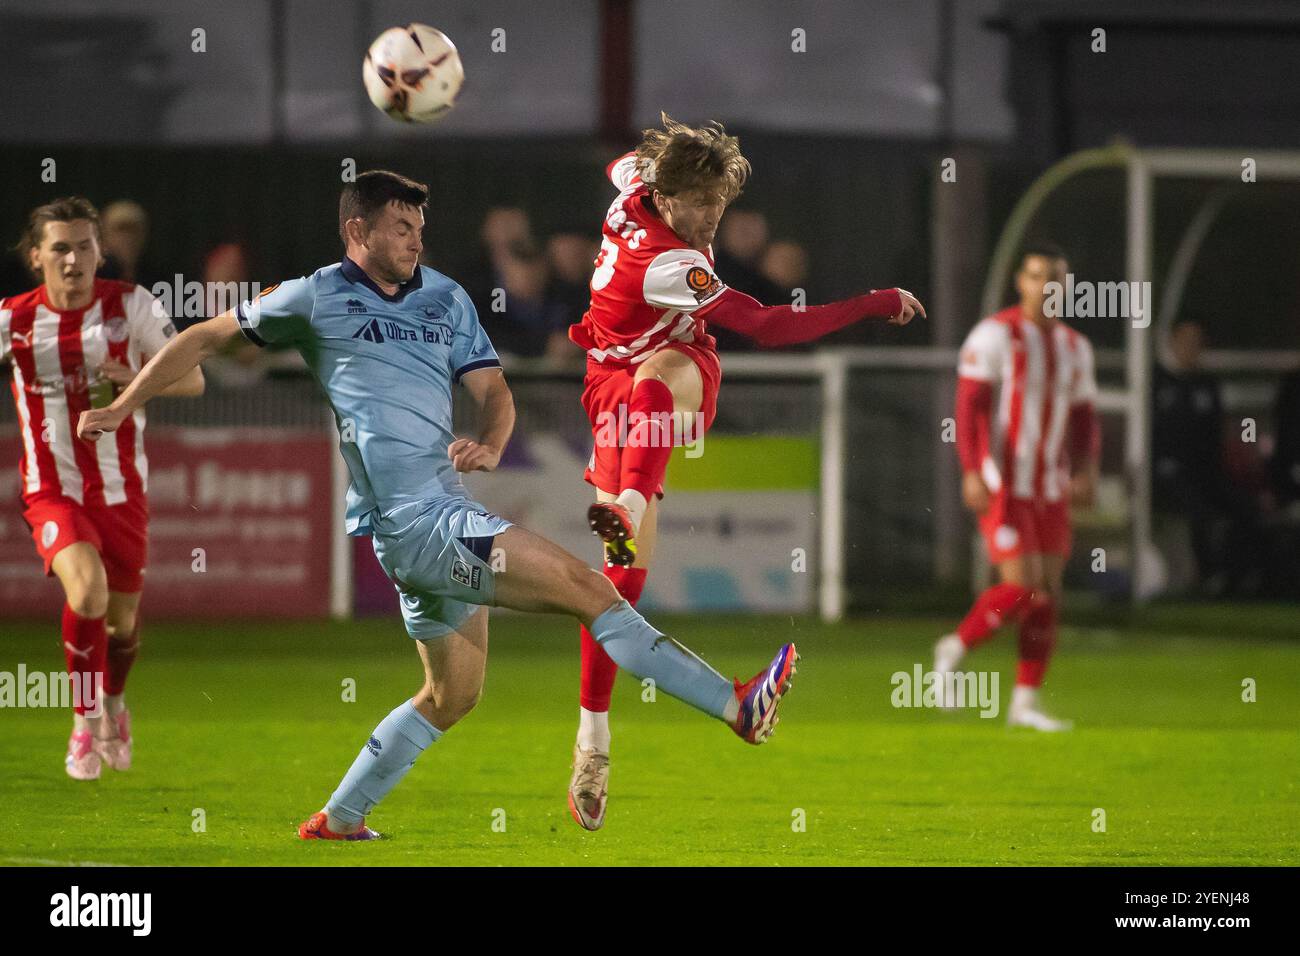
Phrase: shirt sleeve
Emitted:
{"points": [[681, 279], [280, 314], [622, 172], [6, 343], [982, 352], [470, 348], [1085, 383], [148, 324]]}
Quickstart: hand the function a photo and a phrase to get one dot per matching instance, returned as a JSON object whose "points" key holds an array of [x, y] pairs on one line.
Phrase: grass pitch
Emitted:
{"points": [[246, 722]]}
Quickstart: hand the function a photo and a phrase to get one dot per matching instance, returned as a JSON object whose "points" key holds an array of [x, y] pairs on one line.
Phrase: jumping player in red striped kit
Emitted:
{"points": [[653, 373], [1028, 438], [73, 341]]}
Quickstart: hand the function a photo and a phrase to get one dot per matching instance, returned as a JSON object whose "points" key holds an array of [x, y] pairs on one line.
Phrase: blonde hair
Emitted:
{"points": [[681, 158]]}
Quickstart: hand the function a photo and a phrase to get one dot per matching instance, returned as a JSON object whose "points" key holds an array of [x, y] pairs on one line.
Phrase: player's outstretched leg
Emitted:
{"points": [[542, 577], [454, 666]]}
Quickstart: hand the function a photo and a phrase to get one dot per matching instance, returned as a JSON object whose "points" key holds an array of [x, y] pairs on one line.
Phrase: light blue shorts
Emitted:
{"points": [[438, 554]]}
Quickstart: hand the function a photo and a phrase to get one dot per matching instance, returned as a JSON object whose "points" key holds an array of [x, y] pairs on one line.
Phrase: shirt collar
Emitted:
{"points": [[355, 274]]}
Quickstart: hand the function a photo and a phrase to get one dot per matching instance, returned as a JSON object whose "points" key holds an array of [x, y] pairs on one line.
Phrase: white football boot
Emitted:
{"points": [[1025, 712], [589, 787]]}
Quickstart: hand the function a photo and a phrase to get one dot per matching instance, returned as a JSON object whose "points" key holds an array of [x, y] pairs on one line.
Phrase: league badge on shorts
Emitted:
{"points": [[463, 574]]}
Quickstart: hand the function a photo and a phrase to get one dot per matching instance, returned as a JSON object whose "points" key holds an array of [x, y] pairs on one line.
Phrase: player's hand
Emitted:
{"points": [[911, 306], [1083, 490], [974, 492], [116, 372], [97, 421], [468, 455]]}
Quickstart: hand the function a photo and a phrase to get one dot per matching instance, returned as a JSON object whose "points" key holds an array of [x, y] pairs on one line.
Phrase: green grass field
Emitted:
{"points": [[247, 723]]}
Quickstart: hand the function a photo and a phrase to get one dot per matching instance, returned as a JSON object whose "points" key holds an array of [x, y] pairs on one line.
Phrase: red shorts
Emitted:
{"points": [[118, 532], [607, 392], [1016, 526]]}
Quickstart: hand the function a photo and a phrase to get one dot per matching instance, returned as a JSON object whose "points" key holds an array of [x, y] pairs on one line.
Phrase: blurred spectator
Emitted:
{"points": [[742, 239], [124, 228], [571, 254], [504, 228], [1189, 475], [531, 323], [225, 268], [227, 278], [785, 265]]}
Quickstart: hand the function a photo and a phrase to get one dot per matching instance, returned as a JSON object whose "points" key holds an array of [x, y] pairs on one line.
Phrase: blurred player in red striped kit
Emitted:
{"points": [[73, 342], [1028, 438], [653, 372]]}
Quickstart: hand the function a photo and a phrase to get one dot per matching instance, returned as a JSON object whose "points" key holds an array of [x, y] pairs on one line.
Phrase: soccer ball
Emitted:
{"points": [[413, 73]]}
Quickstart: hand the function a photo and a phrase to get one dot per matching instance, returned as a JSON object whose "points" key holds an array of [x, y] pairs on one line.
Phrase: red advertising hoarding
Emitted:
{"points": [[240, 526]]}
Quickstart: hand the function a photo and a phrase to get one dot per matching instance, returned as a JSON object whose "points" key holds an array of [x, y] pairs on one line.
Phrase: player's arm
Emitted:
{"points": [[176, 360], [979, 369], [973, 414], [189, 385], [1084, 434], [496, 416], [773, 326]]}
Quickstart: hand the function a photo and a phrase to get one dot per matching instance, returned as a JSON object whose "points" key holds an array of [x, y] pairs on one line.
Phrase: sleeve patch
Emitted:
{"points": [[702, 283]]}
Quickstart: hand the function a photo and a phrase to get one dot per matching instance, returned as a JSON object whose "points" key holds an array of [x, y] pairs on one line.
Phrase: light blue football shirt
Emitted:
{"points": [[387, 364]]}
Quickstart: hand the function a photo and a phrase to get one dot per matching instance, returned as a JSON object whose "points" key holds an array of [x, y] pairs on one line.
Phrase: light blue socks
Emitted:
{"points": [[638, 648], [391, 751]]}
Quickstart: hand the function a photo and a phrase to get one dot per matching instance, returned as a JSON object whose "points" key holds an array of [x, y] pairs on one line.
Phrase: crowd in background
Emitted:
{"points": [[1230, 507]]}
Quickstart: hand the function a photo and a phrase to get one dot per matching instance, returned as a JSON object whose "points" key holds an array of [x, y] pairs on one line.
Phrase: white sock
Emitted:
{"points": [[114, 704], [593, 730], [1024, 697], [634, 502], [731, 710], [949, 652]]}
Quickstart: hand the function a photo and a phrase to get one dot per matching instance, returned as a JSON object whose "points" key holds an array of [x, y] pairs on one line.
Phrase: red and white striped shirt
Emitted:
{"points": [[647, 284], [56, 357], [1041, 376]]}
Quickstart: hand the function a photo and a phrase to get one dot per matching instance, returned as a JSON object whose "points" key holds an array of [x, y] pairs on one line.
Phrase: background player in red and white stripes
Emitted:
{"points": [[73, 341], [652, 365], [1028, 438]]}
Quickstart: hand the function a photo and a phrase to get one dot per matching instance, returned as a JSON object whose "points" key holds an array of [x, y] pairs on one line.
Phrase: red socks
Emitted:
{"points": [[649, 438], [85, 647], [996, 606], [598, 669], [1037, 640], [121, 655]]}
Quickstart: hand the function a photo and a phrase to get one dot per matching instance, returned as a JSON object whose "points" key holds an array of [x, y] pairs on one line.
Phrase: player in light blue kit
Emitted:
{"points": [[387, 338]]}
